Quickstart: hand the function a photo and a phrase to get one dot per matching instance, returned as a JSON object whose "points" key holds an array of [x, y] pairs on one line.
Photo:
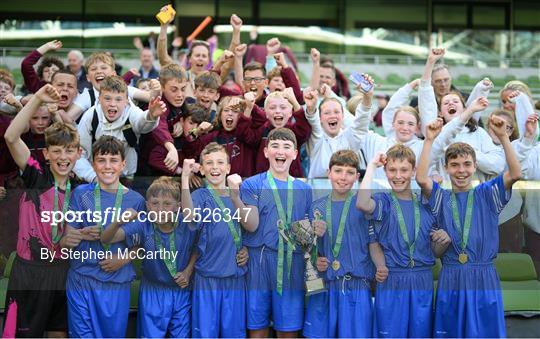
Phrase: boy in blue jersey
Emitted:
{"points": [[219, 292], [346, 309], [98, 286], [275, 276], [406, 231], [164, 298], [469, 299]]}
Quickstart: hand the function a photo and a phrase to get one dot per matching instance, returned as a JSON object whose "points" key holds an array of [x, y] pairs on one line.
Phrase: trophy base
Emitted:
{"points": [[315, 286]]}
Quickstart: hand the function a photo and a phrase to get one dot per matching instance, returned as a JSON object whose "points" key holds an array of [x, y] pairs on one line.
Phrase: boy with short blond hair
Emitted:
{"points": [[345, 310], [276, 267], [219, 292], [406, 230], [164, 297], [279, 107], [115, 115]]}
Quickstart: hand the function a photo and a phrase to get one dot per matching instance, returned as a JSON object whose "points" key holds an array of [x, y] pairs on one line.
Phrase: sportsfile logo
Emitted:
{"points": [[196, 215]]}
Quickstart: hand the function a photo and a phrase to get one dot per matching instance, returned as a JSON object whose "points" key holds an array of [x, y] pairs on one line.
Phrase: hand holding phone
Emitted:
{"points": [[359, 80]]}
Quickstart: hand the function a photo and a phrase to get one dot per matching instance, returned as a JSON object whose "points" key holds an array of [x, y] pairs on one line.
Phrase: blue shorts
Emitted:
{"points": [[264, 301], [404, 304], [164, 311], [219, 307], [469, 302], [345, 310], [96, 308]]}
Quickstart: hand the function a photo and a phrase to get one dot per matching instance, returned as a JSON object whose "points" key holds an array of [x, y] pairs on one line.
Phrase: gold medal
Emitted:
{"points": [[411, 263], [463, 258], [335, 265]]}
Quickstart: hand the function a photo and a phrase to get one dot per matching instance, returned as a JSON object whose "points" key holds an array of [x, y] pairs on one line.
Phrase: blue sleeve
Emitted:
{"points": [[249, 193], [134, 233], [381, 207], [495, 194], [372, 234], [435, 201]]}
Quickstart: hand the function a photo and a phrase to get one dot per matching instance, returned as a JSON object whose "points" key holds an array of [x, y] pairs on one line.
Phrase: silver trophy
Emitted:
{"points": [[304, 236]]}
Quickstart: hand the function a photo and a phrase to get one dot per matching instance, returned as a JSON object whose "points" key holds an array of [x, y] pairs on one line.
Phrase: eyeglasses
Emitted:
{"points": [[257, 80], [442, 81]]}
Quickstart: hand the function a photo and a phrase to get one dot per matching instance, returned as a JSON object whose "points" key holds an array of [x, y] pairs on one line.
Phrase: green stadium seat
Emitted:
{"points": [[519, 283]]}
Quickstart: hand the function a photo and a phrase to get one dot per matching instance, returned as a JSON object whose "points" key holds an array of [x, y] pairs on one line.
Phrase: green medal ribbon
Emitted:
{"points": [[402, 226], [55, 235], [465, 229], [237, 237], [117, 206], [284, 223], [341, 228], [169, 262]]}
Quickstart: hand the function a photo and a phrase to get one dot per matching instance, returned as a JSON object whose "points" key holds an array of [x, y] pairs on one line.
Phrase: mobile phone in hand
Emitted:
{"points": [[358, 79]]}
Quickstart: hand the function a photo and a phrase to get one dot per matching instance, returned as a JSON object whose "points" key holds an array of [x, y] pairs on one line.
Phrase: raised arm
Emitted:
{"points": [[18, 149], [481, 89], [239, 53], [523, 109], [433, 129], [272, 47], [427, 103], [289, 77], [315, 82], [146, 121], [513, 174], [525, 144], [362, 115], [312, 113], [364, 202], [223, 65], [249, 215], [30, 76], [163, 55], [236, 24]]}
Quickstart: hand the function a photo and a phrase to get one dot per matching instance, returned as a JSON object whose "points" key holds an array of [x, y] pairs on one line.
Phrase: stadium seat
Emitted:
{"points": [[519, 283], [4, 280]]}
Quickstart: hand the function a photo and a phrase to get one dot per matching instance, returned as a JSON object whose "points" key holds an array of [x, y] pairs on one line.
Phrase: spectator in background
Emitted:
{"points": [[258, 52], [441, 80], [33, 80], [75, 60], [150, 42], [382, 101], [147, 69], [340, 85]]}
